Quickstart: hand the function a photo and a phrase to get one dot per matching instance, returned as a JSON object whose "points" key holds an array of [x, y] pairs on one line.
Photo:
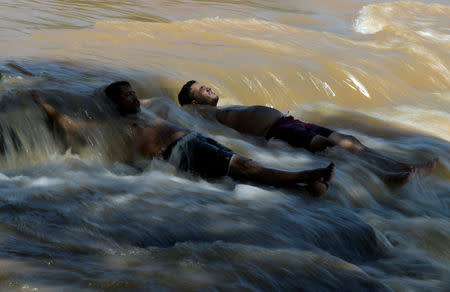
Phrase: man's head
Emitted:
{"points": [[124, 97], [195, 93]]}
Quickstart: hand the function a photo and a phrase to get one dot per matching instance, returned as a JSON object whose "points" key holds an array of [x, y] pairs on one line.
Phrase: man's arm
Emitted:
{"points": [[69, 125]]}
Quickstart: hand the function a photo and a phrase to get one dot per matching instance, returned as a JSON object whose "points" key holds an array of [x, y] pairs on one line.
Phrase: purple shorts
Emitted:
{"points": [[295, 132]]}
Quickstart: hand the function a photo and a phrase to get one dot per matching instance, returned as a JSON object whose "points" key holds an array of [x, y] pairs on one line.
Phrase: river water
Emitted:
{"points": [[89, 219]]}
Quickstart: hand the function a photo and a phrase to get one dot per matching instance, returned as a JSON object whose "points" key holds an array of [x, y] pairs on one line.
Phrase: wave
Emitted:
{"points": [[403, 16]]}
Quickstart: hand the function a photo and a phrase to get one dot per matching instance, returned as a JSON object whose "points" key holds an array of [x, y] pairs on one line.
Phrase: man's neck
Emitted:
{"points": [[131, 116], [206, 111]]}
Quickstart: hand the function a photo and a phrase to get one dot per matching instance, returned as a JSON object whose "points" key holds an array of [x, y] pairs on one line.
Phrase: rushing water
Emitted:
{"points": [[89, 219]]}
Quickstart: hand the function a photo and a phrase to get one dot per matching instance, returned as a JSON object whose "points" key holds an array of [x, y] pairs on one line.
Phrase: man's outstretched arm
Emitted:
{"points": [[68, 124]]}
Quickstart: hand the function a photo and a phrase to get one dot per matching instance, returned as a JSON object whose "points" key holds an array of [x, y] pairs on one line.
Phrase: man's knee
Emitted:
{"points": [[347, 141], [351, 142], [242, 167], [319, 143]]}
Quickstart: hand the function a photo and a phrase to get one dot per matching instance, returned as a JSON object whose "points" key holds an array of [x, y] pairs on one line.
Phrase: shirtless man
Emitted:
{"points": [[187, 150], [271, 123]]}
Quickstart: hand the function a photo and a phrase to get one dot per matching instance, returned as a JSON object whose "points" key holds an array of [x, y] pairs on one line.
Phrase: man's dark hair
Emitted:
{"points": [[113, 90], [185, 96]]}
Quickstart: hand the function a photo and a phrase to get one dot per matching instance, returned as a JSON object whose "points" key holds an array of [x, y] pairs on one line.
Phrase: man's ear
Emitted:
{"points": [[116, 105]]}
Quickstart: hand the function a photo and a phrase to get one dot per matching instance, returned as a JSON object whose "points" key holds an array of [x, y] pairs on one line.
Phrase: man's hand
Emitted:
{"points": [[33, 93], [144, 101], [319, 143], [51, 112], [35, 96]]}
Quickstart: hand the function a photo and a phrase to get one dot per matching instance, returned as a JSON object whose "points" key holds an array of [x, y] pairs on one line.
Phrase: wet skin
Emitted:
{"points": [[258, 119], [151, 135]]}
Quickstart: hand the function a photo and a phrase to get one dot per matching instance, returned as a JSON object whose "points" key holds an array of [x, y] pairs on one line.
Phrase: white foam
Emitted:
{"points": [[47, 181], [366, 23], [257, 195], [123, 199], [430, 121], [430, 34]]}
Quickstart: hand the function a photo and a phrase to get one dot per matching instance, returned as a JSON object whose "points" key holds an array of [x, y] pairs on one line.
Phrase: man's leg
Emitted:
{"points": [[207, 158], [394, 167], [317, 138], [317, 180]]}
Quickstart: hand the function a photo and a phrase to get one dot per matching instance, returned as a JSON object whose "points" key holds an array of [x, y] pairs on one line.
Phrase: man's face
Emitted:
{"points": [[128, 103], [203, 95]]}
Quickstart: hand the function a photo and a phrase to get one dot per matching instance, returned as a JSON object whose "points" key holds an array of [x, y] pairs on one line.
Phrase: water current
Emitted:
{"points": [[92, 217]]}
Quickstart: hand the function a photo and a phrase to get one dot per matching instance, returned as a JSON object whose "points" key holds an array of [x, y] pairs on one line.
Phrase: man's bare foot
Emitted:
{"points": [[399, 178], [427, 168], [319, 186]]}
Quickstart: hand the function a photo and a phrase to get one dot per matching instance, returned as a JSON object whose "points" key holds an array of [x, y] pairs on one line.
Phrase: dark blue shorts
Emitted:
{"points": [[199, 155], [295, 132]]}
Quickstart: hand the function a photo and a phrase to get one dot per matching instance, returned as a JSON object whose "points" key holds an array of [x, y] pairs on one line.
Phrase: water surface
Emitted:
{"points": [[89, 219]]}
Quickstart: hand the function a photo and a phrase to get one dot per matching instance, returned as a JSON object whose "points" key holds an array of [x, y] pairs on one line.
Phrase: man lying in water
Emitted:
{"points": [[187, 150], [271, 123]]}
